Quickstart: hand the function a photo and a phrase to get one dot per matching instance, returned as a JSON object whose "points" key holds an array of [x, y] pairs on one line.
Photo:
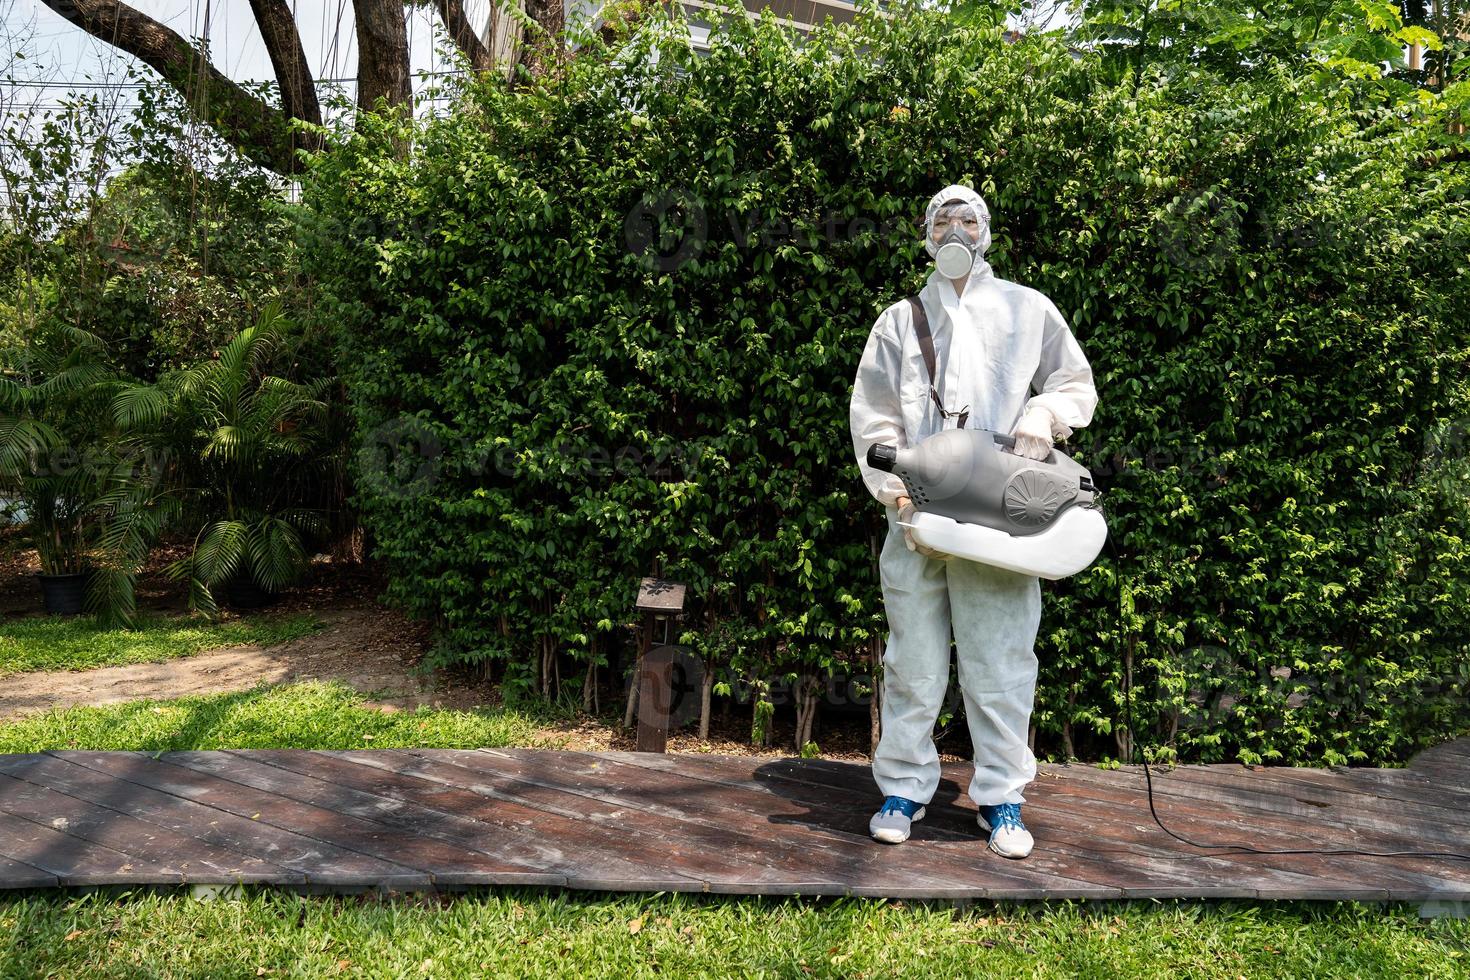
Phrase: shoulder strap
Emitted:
{"points": [[926, 339], [926, 347]]}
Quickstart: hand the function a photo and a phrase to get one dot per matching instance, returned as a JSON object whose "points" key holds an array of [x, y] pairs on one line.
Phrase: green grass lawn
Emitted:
{"points": [[537, 933], [311, 715], [78, 643], [522, 932]]}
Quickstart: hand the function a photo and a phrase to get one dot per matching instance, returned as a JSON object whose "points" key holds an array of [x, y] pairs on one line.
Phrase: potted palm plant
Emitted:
{"points": [[245, 444], [55, 457]]}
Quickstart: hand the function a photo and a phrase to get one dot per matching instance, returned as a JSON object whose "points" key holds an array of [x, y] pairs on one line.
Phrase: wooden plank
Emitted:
{"points": [[1322, 789], [959, 854], [1332, 876], [310, 810], [18, 874], [726, 856], [1455, 751], [587, 853], [1406, 878], [138, 820], [738, 824], [944, 820], [1067, 830], [243, 819], [382, 827], [71, 860], [102, 811], [1397, 786], [1314, 804], [1116, 828], [840, 838], [1207, 819], [1445, 767], [844, 777]]}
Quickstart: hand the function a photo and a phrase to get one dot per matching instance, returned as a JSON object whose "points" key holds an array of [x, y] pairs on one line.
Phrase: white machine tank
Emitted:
{"points": [[976, 499]]}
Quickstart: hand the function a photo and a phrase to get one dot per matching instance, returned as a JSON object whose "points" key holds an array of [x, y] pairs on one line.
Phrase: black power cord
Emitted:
{"points": [[1237, 847]]}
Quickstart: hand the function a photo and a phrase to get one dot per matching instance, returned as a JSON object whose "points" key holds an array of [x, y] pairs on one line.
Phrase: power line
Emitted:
{"points": [[32, 83]]}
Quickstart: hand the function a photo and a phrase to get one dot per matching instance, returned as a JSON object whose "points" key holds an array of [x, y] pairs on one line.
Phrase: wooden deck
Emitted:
{"points": [[426, 819]]}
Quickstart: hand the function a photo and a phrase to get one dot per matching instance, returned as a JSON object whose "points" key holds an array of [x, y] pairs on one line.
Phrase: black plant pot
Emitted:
{"points": [[64, 595], [239, 591]]}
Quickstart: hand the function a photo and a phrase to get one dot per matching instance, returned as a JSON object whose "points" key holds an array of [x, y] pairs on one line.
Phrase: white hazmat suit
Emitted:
{"points": [[995, 343]]}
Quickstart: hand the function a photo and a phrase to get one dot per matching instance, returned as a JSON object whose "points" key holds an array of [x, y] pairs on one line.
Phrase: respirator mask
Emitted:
{"points": [[955, 233]]}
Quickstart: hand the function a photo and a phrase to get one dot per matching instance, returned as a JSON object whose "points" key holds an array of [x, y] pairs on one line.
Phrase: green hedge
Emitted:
{"points": [[1268, 279]]}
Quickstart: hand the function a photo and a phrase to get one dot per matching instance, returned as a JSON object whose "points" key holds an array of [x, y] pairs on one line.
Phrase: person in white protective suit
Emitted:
{"points": [[995, 342]]}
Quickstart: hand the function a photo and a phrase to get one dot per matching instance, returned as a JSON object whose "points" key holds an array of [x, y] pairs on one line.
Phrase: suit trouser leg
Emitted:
{"points": [[996, 614], [915, 668]]}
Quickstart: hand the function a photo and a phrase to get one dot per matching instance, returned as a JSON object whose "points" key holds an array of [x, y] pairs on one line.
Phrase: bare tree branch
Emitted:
{"points": [[283, 42], [458, 26], [256, 128]]}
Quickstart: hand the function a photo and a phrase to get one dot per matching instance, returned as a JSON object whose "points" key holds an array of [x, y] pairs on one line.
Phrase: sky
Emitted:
{"points": [[58, 52]]}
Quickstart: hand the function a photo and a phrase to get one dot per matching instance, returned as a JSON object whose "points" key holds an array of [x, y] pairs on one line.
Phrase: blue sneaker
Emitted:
{"points": [[891, 824], [1008, 835]]}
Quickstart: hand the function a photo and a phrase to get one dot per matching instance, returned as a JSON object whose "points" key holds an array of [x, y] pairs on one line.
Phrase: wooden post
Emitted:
{"points": [[654, 697], [657, 599]]}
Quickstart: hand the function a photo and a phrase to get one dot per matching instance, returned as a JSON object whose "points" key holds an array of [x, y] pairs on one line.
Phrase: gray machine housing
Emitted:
{"points": [[970, 476]]}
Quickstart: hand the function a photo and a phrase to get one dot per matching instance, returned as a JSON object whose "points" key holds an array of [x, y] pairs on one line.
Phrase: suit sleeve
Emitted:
{"points": [[875, 415], [1063, 379]]}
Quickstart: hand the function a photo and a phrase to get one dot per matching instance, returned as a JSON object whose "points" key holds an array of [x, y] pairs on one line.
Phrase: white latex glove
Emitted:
{"points": [[906, 514], [1033, 434]]}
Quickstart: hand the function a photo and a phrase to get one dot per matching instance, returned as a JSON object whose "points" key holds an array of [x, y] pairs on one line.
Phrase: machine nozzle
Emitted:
{"points": [[881, 457]]}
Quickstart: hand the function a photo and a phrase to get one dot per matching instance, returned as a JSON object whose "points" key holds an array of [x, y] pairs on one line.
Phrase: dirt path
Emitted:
{"points": [[357, 647], [373, 650], [377, 653]]}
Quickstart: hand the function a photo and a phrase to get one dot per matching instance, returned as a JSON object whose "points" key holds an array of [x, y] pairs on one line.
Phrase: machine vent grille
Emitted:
{"points": [[1031, 498]]}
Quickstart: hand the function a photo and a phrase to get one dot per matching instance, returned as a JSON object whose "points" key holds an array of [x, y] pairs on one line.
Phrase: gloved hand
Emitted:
{"points": [[1033, 434], [906, 514]]}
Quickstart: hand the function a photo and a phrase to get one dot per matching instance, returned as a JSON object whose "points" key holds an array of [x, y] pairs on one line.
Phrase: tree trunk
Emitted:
{"points": [[706, 688], [382, 52], [293, 73], [808, 691], [875, 656], [259, 130], [645, 640], [465, 38], [1122, 734], [590, 684], [502, 34], [542, 50], [762, 713]]}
